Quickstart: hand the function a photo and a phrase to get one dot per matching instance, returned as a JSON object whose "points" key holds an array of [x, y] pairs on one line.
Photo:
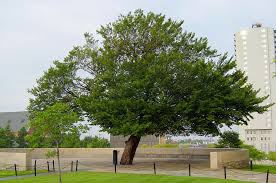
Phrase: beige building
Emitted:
{"points": [[255, 51]]}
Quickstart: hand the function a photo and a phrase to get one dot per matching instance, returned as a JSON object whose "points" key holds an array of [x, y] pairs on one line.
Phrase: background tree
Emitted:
{"points": [[54, 123], [7, 138], [229, 139], [71, 140], [149, 76], [20, 139], [98, 142]]}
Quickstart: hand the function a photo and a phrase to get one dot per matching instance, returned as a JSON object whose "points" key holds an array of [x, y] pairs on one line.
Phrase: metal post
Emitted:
{"points": [[77, 163], [154, 168], [15, 169], [48, 166], [267, 173], [54, 166], [251, 165], [189, 169], [224, 172], [72, 164], [115, 157], [35, 168]]}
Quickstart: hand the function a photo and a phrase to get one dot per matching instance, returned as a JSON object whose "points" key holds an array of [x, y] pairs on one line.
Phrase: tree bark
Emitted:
{"points": [[59, 168], [130, 149]]}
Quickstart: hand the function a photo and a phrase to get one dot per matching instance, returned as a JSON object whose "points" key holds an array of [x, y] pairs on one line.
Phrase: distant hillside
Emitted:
{"points": [[16, 120]]}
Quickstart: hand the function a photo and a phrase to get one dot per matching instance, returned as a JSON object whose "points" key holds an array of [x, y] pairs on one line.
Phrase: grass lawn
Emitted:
{"points": [[264, 168], [7, 173], [91, 177]]}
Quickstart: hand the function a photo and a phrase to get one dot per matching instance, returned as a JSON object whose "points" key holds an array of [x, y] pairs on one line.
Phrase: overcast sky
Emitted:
{"points": [[34, 33]]}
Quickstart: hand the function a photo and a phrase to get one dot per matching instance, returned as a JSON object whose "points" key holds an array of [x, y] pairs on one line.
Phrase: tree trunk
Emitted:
{"points": [[130, 149], [59, 168]]}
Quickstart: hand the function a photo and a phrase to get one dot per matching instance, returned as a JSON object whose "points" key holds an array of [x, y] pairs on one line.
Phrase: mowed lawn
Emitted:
{"points": [[91, 177], [264, 168], [8, 173]]}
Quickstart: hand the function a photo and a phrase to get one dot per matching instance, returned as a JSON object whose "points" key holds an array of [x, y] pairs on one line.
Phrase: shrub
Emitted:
{"points": [[254, 153]]}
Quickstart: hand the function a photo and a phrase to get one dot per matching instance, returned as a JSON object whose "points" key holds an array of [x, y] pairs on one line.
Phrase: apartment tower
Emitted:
{"points": [[255, 50]]}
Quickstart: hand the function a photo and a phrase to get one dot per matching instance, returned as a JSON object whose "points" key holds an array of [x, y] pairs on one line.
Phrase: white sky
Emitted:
{"points": [[34, 33]]}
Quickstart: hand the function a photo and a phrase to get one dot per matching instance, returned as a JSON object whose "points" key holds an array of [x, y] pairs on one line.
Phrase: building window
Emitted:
{"points": [[261, 138], [244, 32], [263, 35], [247, 138]]}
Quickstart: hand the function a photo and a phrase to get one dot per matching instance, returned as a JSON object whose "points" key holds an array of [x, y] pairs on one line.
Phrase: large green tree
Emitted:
{"points": [[149, 76]]}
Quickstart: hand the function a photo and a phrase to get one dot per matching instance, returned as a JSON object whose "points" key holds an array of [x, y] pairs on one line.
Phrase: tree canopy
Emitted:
{"points": [[146, 75]]}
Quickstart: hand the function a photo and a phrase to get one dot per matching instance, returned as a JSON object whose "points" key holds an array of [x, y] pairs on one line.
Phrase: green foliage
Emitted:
{"points": [[254, 153], [272, 156], [165, 146], [71, 140], [20, 139], [51, 153], [98, 142], [54, 123], [145, 146], [211, 145], [7, 138], [229, 139]]}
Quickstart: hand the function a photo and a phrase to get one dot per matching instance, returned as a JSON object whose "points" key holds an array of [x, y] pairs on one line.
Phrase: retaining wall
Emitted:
{"points": [[218, 157]]}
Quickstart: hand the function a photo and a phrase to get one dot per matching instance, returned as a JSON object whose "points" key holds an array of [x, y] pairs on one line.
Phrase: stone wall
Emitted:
{"points": [[218, 157], [229, 159], [22, 160]]}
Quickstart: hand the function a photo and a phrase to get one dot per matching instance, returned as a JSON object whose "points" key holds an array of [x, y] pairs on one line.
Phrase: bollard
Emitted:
{"points": [[224, 172], [48, 166], [77, 163], [35, 168], [267, 173], [54, 166], [115, 157], [251, 165], [154, 168], [72, 165], [15, 169], [189, 169]]}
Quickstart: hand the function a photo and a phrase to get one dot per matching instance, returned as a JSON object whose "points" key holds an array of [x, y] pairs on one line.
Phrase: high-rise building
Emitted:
{"points": [[255, 50]]}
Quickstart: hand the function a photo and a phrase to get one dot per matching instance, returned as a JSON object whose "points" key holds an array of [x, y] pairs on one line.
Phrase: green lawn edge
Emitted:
{"points": [[102, 177], [9, 173]]}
